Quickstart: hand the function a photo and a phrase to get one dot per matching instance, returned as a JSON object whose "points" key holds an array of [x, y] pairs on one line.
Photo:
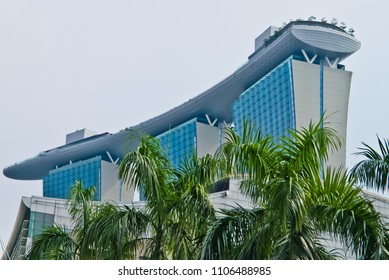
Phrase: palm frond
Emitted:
{"points": [[147, 167], [342, 212], [227, 233], [373, 170], [53, 243], [116, 233], [249, 154], [310, 146]]}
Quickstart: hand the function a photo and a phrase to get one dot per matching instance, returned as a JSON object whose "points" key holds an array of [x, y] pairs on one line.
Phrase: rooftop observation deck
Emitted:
{"points": [[314, 39]]}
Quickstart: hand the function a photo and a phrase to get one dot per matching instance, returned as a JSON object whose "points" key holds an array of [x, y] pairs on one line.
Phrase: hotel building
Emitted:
{"points": [[293, 76]]}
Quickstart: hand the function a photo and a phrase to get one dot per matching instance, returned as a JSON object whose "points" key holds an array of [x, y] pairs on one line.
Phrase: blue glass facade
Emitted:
{"points": [[269, 104], [57, 184], [179, 142]]}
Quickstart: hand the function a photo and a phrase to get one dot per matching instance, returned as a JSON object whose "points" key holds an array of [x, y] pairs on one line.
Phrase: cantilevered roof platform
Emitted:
{"points": [[312, 40]]}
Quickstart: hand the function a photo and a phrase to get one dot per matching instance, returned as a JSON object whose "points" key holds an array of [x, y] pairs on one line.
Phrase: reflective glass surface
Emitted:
{"points": [[57, 184], [269, 104], [179, 142]]}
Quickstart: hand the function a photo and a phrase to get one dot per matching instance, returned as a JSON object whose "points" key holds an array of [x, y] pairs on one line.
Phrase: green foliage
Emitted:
{"points": [[298, 205], [60, 244], [373, 170], [54, 243]]}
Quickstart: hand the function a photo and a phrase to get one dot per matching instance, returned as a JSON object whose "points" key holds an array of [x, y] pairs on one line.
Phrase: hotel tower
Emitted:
{"points": [[293, 77]]}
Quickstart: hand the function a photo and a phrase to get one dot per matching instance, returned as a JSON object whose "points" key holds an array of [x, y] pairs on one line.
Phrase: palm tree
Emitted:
{"points": [[149, 168], [59, 243], [116, 232], [191, 210], [177, 206], [172, 223], [298, 204], [373, 171], [99, 231]]}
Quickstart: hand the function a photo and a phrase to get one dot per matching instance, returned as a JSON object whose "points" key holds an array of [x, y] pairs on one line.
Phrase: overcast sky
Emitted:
{"points": [[107, 65]]}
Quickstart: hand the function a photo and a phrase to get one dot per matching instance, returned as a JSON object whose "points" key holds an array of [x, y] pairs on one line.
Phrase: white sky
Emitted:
{"points": [[106, 65]]}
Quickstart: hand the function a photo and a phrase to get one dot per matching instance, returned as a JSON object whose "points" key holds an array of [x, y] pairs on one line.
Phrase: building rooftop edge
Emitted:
{"points": [[284, 44]]}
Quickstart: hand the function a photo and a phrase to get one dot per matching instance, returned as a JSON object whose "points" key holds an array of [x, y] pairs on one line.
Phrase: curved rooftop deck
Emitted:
{"points": [[315, 38]]}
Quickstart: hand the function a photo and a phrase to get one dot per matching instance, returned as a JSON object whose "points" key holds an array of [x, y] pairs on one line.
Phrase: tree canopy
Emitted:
{"points": [[299, 205]]}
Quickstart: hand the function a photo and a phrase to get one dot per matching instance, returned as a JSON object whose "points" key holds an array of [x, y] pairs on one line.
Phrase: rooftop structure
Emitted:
{"points": [[313, 43]]}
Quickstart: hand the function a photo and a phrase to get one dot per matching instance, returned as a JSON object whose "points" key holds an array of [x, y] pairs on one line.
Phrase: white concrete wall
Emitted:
{"points": [[336, 96], [336, 89], [306, 81], [56, 207], [231, 198], [111, 187], [207, 139], [380, 202]]}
